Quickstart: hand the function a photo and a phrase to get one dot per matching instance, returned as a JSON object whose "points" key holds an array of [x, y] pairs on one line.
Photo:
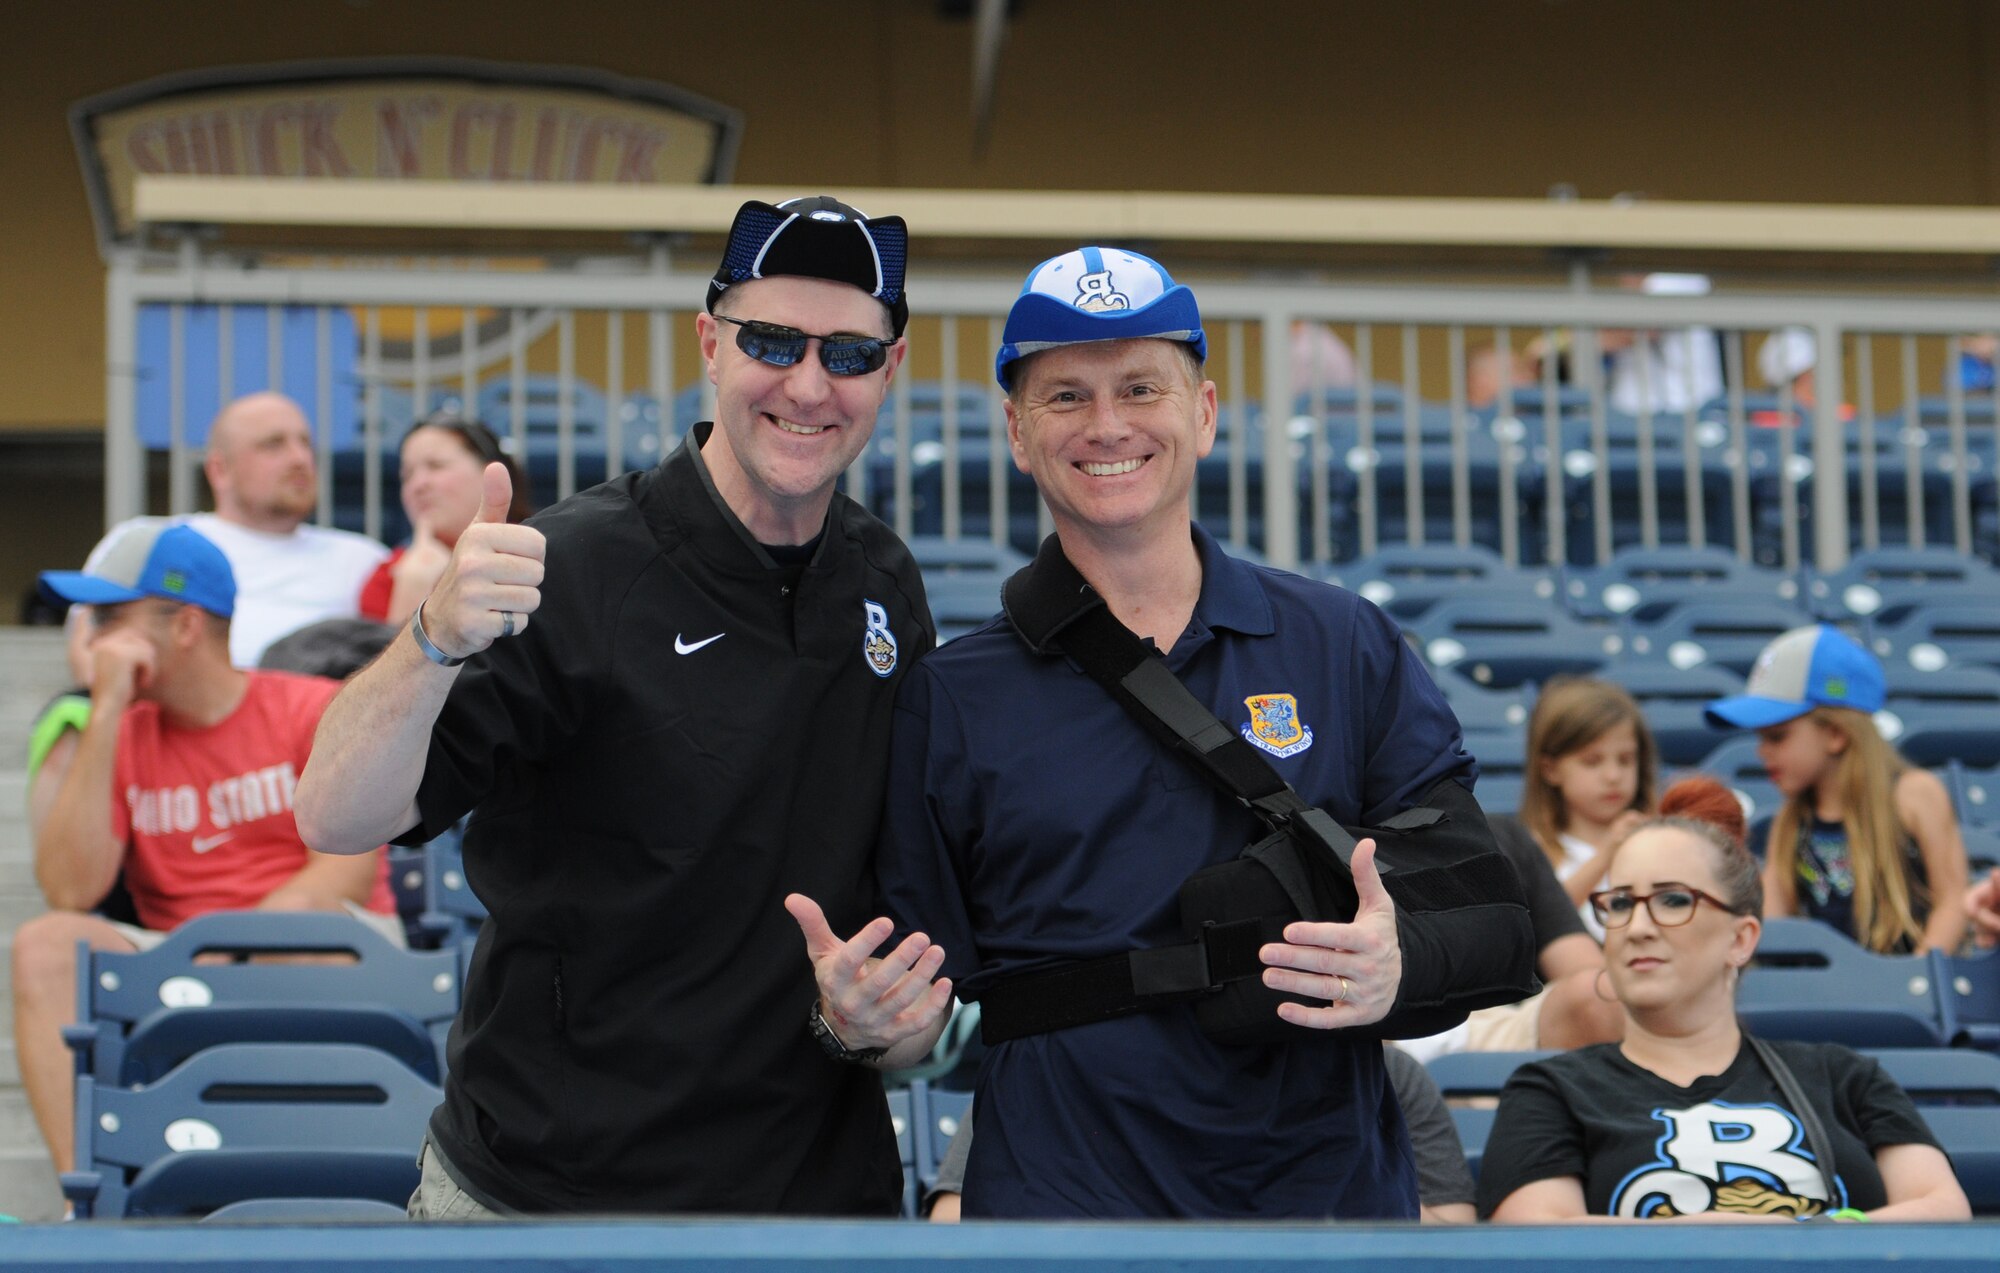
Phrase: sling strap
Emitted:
{"points": [[1057, 612]]}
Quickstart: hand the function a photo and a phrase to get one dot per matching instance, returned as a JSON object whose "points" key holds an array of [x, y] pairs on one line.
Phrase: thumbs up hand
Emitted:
{"points": [[494, 580], [1356, 967]]}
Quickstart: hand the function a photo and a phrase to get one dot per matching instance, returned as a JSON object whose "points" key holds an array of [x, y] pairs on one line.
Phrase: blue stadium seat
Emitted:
{"points": [[1475, 1077], [250, 1120], [1727, 633], [1884, 584], [1626, 480], [1951, 714], [1500, 792], [962, 601], [1938, 635], [905, 1104], [1975, 795], [945, 1112], [141, 1014], [1809, 982], [1406, 580], [1970, 1137], [1645, 583], [1734, 761], [1481, 710], [1503, 643], [1970, 988], [452, 911], [1673, 700], [308, 1211]]}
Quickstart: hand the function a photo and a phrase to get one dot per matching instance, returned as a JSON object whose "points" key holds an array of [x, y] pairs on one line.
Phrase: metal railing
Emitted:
{"points": [[590, 370]]}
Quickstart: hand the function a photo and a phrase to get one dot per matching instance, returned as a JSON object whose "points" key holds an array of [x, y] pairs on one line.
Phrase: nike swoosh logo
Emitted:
{"points": [[682, 647], [203, 843]]}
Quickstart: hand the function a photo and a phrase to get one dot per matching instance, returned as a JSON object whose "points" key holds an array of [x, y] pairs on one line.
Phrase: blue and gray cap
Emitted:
{"points": [[1803, 669], [818, 237], [1097, 294], [157, 559]]}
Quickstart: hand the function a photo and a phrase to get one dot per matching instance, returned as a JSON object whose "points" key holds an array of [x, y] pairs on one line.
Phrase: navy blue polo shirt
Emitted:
{"points": [[1031, 821]]}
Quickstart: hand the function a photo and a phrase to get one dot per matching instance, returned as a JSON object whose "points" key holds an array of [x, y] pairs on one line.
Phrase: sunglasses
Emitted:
{"points": [[1670, 907], [785, 346]]}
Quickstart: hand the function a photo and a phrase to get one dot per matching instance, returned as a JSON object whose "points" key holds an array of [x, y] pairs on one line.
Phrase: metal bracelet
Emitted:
{"points": [[428, 646]]}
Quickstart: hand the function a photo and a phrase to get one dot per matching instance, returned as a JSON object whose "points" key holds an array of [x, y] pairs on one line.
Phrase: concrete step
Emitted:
{"points": [[28, 1189]]}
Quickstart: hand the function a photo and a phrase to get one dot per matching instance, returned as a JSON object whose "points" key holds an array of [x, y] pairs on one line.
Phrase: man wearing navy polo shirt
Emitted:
{"points": [[1031, 821]]}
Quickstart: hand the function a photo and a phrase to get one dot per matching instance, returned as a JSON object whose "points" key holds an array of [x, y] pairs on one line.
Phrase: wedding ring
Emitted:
{"points": [[506, 623], [1343, 990]]}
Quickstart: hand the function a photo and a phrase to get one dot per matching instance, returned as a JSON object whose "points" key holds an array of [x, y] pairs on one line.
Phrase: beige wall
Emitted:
{"points": [[1793, 100]]}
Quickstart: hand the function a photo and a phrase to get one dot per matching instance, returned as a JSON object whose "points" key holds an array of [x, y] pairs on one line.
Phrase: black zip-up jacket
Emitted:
{"points": [[682, 736]]}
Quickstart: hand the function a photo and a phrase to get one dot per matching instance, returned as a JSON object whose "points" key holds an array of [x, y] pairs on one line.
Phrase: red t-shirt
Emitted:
{"points": [[376, 592], [206, 814]]}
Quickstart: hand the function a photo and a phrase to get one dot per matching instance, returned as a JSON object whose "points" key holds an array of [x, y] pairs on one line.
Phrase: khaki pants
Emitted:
{"points": [[438, 1196]]}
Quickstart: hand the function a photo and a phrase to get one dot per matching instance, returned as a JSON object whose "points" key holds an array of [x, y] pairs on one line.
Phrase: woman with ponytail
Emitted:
{"points": [[1688, 1117]]}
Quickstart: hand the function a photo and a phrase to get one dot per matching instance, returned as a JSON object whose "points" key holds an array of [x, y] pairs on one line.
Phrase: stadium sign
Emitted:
{"points": [[397, 118]]}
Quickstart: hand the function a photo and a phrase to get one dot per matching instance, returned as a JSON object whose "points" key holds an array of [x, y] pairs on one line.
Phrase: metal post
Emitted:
{"points": [[124, 458], [1829, 454], [1281, 503]]}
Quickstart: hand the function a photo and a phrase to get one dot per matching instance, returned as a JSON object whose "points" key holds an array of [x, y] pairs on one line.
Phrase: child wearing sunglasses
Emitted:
{"points": [[1689, 1118]]}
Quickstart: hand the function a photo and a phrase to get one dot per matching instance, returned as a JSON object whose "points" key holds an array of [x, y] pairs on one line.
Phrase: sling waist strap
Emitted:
{"points": [[1089, 990]]}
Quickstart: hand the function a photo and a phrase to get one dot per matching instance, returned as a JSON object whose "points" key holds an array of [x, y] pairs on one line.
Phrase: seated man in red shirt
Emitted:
{"points": [[183, 780]]}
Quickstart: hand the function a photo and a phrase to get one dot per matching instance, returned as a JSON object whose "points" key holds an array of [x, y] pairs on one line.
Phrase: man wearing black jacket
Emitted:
{"points": [[672, 712]]}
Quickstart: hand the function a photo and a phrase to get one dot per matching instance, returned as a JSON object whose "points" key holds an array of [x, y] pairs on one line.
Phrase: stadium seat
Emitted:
{"points": [[1627, 480], [904, 1106], [1734, 761], [1970, 988], [1673, 700], [1884, 584], [452, 911], [1724, 633], [1503, 643], [1975, 794], [963, 601], [1470, 1083], [308, 1211], [1941, 634], [250, 1120], [1646, 583], [1811, 983], [1406, 580], [1479, 709], [1970, 1137], [1935, 717], [141, 1014]]}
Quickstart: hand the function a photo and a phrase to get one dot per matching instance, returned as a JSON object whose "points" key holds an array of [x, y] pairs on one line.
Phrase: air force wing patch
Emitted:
{"points": [[878, 644], [1275, 725]]}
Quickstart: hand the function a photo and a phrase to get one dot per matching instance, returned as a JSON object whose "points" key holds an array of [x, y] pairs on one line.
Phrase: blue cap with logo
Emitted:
{"points": [[165, 560], [1805, 668], [1097, 294]]}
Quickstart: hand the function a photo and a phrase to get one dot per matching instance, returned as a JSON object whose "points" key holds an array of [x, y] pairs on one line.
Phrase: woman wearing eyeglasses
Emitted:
{"points": [[443, 458], [1688, 1117]]}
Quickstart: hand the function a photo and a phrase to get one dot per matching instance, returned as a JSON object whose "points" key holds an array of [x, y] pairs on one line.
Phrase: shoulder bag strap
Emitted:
{"points": [[1795, 1096]]}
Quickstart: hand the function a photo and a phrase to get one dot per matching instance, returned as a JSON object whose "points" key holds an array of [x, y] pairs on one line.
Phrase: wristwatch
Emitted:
{"points": [[830, 1043]]}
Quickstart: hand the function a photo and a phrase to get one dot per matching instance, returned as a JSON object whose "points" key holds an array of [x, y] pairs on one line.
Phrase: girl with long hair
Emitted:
{"points": [[1864, 840]]}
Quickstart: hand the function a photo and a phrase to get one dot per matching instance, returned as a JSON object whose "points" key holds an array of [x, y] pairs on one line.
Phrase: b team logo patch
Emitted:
{"points": [[878, 644], [1275, 725], [1098, 293]]}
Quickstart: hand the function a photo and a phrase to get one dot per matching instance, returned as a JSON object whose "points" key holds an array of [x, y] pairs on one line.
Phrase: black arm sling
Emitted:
{"points": [[1461, 914]]}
